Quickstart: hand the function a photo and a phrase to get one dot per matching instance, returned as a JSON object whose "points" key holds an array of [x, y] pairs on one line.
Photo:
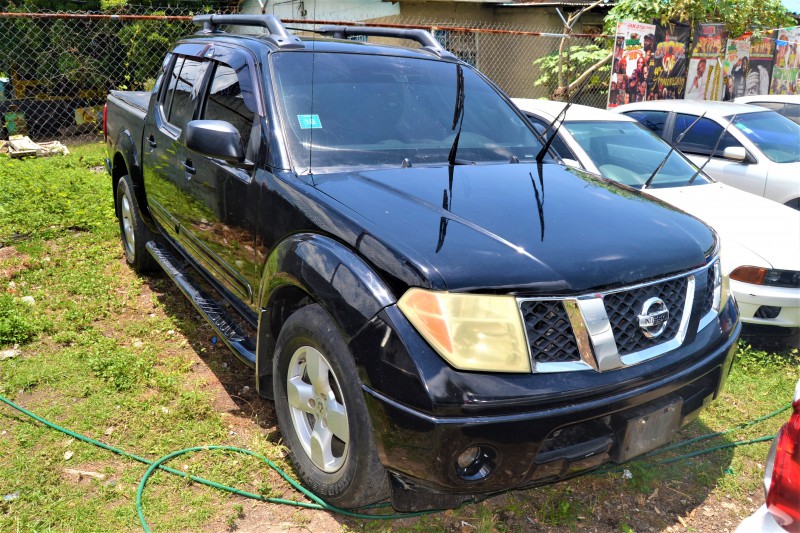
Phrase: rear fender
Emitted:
{"points": [[126, 149]]}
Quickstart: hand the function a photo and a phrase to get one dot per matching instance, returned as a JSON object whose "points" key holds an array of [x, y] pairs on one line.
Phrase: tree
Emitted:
{"points": [[739, 16], [580, 62]]}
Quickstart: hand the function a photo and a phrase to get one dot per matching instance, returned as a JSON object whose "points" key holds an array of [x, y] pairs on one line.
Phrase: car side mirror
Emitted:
{"points": [[216, 139], [735, 153]]}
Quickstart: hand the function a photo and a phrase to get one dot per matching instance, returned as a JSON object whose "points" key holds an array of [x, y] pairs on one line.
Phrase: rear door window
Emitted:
{"points": [[187, 87], [655, 121]]}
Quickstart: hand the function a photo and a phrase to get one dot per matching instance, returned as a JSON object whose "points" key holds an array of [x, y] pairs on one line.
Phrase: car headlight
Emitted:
{"points": [[470, 331], [722, 289], [767, 276]]}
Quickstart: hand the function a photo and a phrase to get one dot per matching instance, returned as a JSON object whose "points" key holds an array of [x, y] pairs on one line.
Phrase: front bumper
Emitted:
{"points": [[573, 431], [784, 301]]}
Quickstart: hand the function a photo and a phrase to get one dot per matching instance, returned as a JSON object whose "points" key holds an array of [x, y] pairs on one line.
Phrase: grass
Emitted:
{"points": [[124, 359]]}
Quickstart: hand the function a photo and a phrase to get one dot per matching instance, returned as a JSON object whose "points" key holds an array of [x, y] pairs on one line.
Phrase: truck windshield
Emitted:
{"points": [[348, 110]]}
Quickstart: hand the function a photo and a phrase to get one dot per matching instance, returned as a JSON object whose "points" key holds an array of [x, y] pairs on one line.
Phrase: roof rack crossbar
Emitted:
{"points": [[278, 34], [424, 38]]}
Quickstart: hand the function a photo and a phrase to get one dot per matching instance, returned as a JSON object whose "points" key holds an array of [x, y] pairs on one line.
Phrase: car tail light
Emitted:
{"points": [[105, 122], [782, 477]]}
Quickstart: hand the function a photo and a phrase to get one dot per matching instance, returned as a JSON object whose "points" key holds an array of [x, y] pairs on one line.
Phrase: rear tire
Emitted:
{"points": [[135, 234], [322, 413]]}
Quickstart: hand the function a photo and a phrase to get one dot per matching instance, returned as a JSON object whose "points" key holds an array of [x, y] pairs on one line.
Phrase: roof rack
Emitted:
{"points": [[277, 32], [424, 38]]}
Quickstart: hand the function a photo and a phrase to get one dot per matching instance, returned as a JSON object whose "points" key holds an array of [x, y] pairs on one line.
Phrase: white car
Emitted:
{"points": [[761, 239], [787, 105], [759, 152], [781, 512]]}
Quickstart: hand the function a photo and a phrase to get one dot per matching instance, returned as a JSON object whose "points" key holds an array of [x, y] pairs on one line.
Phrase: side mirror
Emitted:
{"points": [[216, 139], [735, 153]]}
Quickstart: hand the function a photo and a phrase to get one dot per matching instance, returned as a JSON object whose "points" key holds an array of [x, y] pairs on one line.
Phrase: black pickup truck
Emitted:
{"points": [[438, 308]]}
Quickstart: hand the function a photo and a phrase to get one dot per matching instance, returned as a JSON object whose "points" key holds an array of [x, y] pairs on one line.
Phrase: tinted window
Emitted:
{"points": [[166, 98], [558, 144], [187, 88], [776, 136], [775, 106], [792, 112], [229, 102], [654, 121], [702, 137], [347, 110]]}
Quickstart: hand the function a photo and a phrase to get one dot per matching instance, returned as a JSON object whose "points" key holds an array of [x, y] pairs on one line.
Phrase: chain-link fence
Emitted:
{"points": [[56, 68]]}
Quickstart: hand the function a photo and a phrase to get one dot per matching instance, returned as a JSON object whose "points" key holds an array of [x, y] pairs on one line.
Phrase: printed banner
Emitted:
{"points": [[762, 52], [736, 65], [667, 66], [633, 47], [705, 77], [787, 63]]}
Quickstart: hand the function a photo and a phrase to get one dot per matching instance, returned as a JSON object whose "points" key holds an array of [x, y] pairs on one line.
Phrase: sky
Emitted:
{"points": [[792, 5]]}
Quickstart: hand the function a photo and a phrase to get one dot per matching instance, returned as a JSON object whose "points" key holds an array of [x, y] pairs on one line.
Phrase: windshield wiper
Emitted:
{"points": [[458, 118], [713, 150], [563, 113], [671, 149]]}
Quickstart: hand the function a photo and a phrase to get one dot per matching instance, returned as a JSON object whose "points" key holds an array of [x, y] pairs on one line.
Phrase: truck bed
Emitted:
{"points": [[137, 99], [125, 117]]}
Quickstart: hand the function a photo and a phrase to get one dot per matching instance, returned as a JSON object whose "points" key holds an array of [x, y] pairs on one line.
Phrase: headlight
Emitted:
{"points": [[765, 276], [470, 331], [722, 288]]}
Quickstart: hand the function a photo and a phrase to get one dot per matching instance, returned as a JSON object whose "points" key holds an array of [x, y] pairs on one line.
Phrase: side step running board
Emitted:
{"points": [[228, 330]]}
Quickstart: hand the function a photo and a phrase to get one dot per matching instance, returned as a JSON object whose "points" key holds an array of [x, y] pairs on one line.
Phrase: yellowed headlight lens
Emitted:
{"points": [[470, 331]]}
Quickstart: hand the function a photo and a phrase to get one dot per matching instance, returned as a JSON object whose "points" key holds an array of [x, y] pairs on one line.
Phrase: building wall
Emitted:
{"points": [[340, 10], [506, 59]]}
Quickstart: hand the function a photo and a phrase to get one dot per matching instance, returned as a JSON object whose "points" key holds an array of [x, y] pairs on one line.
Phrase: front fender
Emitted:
{"points": [[321, 269]]}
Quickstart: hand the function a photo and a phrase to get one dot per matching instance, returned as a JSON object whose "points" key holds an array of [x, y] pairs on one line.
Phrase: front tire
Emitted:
{"points": [[322, 414], [135, 234]]}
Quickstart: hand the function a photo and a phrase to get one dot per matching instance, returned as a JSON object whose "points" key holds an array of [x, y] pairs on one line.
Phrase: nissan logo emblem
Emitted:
{"points": [[654, 317]]}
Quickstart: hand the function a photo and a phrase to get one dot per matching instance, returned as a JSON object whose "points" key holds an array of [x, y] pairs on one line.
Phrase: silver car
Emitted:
{"points": [[757, 150], [787, 105]]}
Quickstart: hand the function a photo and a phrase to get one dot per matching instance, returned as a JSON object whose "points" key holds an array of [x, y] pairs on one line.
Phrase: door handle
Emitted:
{"points": [[189, 166], [151, 141]]}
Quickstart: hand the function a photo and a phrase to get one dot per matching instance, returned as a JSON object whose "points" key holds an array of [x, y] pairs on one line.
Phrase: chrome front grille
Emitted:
{"points": [[614, 329], [623, 308]]}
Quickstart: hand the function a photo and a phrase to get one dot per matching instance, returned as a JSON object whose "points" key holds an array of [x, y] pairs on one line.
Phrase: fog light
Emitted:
{"points": [[475, 463], [468, 456]]}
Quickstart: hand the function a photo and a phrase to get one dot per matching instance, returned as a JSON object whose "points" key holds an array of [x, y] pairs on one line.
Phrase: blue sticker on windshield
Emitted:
{"points": [[744, 128], [309, 122]]}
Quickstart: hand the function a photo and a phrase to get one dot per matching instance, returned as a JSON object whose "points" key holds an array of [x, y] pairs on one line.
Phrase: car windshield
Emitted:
{"points": [[775, 135], [348, 110], [628, 153]]}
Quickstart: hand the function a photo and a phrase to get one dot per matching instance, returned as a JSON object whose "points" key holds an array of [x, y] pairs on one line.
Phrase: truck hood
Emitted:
{"points": [[518, 227], [748, 225]]}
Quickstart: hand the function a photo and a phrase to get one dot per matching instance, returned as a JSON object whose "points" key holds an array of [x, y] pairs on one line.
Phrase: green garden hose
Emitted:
{"points": [[158, 464], [318, 502]]}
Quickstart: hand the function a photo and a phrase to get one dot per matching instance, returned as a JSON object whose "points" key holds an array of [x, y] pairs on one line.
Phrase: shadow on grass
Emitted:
{"points": [[240, 398]]}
